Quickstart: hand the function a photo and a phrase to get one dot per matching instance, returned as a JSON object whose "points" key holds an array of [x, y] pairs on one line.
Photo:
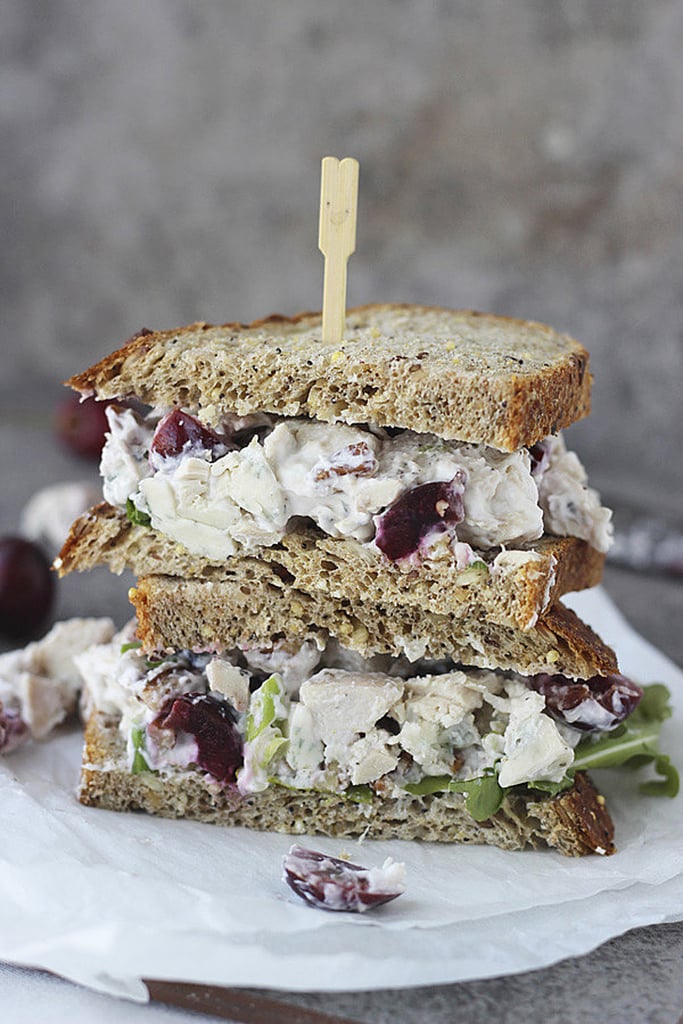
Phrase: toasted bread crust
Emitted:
{"points": [[258, 609], [574, 823], [515, 594], [459, 374]]}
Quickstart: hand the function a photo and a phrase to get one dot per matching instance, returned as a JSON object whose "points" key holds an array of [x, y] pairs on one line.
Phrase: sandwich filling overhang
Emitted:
{"points": [[411, 496], [330, 721], [40, 684]]}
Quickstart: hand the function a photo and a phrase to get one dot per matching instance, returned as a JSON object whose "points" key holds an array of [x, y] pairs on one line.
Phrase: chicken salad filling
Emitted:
{"points": [[328, 720], [410, 496]]}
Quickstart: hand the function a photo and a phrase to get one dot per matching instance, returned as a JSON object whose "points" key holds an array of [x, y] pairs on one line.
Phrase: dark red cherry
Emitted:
{"points": [[416, 513], [81, 426], [539, 454], [27, 588], [212, 723], [178, 432]]}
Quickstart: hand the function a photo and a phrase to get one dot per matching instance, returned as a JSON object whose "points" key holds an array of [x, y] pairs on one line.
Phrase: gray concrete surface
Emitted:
{"points": [[161, 164]]}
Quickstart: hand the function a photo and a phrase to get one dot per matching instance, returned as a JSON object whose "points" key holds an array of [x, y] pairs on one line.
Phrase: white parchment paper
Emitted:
{"points": [[107, 899]]}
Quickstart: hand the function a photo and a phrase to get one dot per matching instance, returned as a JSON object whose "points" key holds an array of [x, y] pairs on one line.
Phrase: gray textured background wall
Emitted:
{"points": [[160, 163]]}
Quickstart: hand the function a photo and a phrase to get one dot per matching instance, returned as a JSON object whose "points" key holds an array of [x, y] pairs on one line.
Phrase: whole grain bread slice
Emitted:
{"points": [[574, 823], [256, 608], [458, 374], [518, 587]]}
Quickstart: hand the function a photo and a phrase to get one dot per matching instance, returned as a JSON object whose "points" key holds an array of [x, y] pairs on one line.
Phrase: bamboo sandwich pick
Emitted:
{"points": [[337, 238]]}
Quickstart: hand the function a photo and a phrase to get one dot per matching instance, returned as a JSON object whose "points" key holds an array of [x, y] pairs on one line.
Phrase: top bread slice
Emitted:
{"points": [[458, 374]]}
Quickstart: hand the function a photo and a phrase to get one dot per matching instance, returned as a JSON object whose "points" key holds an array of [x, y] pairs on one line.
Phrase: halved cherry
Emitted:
{"points": [[179, 432], [333, 884], [418, 512], [592, 705], [212, 723]]}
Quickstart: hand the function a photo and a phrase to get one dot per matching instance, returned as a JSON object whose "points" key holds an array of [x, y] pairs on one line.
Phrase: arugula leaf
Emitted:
{"points": [[655, 703], [428, 785], [483, 795], [551, 788], [635, 743], [359, 794], [135, 516], [668, 785]]}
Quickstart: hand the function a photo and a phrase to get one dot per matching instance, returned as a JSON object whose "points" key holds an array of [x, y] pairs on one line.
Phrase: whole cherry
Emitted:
{"points": [[27, 588], [81, 425]]}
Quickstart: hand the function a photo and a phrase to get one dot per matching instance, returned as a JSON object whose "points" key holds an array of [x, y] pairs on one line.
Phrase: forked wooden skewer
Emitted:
{"points": [[337, 238]]}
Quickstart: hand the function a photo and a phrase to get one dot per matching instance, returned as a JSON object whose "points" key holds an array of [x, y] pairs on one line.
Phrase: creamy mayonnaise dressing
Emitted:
{"points": [[343, 479]]}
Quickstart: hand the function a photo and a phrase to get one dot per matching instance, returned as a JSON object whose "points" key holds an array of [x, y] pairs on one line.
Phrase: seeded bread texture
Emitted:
{"points": [[520, 586], [575, 823], [259, 610], [458, 374]]}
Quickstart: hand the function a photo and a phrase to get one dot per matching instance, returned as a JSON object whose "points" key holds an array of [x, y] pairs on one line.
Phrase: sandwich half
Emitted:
{"points": [[311, 737], [416, 465]]}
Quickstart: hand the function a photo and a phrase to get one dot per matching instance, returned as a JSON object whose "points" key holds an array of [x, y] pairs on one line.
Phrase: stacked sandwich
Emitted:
{"points": [[350, 561]]}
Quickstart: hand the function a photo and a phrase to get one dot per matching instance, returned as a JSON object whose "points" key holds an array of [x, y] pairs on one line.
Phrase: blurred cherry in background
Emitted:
{"points": [[81, 425], [27, 589]]}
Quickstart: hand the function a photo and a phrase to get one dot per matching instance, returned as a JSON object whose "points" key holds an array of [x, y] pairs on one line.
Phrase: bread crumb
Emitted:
{"points": [[337, 356], [553, 656], [360, 635]]}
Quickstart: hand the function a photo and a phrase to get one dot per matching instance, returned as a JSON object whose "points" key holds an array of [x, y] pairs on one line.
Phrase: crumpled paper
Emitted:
{"points": [[108, 899]]}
